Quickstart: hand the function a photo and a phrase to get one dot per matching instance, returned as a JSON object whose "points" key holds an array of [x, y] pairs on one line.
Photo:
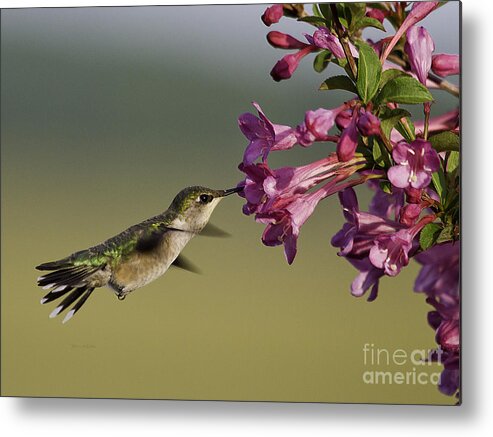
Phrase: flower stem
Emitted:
{"points": [[386, 141], [344, 40], [406, 126], [444, 84], [426, 110]]}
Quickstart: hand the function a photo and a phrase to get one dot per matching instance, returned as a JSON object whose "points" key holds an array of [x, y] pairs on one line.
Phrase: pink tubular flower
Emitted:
{"points": [[265, 189], [445, 65], [283, 225], [320, 121], [286, 66], [391, 252], [272, 14], [355, 240], [415, 164], [419, 11], [346, 147], [282, 200], [419, 47], [324, 39], [284, 41], [317, 125], [264, 136], [357, 236], [284, 216], [439, 276], [253, 186], [369, 276]]}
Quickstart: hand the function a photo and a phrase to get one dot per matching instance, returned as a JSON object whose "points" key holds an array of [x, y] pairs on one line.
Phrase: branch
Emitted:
{"points": [[344, 40]]}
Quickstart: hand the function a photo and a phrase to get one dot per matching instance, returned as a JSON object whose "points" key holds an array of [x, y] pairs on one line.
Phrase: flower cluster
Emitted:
{"points": [[439, 280], [411, 165]]}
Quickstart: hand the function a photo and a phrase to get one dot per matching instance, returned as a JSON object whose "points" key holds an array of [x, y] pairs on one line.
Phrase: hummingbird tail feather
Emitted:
{"points": [[54, 265], [67, 280]]}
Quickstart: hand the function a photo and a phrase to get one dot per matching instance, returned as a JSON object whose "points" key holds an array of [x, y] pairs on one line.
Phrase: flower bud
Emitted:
{"points": [[348, 141], [368, 124], [285, 67], [448, 334], [419, 47], [343, 119], [283, 41], [272, 14], [376, 13], [445, 65]]}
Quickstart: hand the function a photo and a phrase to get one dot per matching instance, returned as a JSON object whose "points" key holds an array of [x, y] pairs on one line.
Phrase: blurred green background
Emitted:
{"points": [[106, 114]]}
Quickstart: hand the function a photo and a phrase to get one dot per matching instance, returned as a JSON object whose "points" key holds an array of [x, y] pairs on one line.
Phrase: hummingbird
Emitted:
{"points": [[134, 257]]}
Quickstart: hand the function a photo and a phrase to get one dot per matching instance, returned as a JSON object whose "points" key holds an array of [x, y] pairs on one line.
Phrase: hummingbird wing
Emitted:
{"points": [[182, 262], [150, 240]]}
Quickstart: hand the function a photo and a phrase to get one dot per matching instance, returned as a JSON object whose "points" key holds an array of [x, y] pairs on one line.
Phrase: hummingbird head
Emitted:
{"points": [[194, 205]]}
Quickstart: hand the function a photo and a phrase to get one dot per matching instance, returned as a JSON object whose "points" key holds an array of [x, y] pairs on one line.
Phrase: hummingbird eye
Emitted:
{"points": [[205, 198]]}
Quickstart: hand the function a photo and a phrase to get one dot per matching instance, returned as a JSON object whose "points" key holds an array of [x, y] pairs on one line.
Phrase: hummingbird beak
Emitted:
{"points": [[231, 191]]}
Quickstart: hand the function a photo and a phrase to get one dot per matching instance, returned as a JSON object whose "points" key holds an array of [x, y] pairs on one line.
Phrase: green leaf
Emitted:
{"points": [[404, 89], [357, 12], [447, 234], [445, 141], [381, 155], [319, 21], [342, 62], [316, 10], [453, 161], [369, 72], [390, 74], [386, 187], [321, 61], [440, 184], [391, 119], [338, 83], [344, 21], [369, 22], [325, 10], [429, 235]]}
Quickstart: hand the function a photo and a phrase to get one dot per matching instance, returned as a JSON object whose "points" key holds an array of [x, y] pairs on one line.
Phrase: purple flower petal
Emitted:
{"points": [[369, 276], [399, 176], [415, 164], [419, 47], [322, 38]]}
